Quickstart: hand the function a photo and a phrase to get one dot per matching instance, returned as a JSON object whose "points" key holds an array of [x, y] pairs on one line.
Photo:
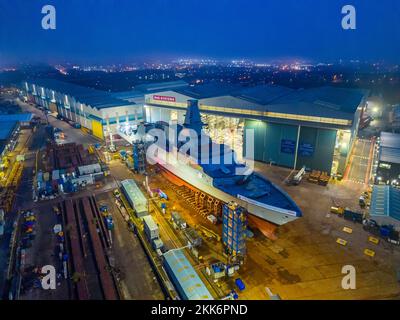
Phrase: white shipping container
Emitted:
{"points": [[88, 169], [150, 227]]}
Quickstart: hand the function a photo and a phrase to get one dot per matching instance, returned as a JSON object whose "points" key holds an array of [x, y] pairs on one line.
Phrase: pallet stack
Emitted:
{"points": [[318, 177], [314, 176], [323, 179]]}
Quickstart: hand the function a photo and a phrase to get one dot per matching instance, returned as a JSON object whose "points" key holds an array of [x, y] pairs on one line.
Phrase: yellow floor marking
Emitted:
{"points": [[341, 241], [348, 230], [373, 240], [369, 252]]}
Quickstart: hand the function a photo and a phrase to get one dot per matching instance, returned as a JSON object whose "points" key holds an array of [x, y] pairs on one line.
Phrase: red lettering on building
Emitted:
{"points": [[164, 98]]}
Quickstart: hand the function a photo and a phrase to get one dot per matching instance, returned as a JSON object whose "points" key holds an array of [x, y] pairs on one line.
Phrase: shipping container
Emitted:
{"points": [[89, 169], [150, 228], [184, 278], [157, 244], [135, 197]]}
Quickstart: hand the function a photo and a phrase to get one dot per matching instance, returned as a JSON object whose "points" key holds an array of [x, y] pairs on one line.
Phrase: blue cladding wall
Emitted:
{"points": [[323, 142], [274, 142]]}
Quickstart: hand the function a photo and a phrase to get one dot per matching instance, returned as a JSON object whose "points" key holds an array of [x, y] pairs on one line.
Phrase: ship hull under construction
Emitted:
{"points": [[192, 177]]}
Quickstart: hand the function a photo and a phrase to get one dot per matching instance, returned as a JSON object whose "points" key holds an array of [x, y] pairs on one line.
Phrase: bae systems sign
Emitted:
{"points": [[164, 98]]}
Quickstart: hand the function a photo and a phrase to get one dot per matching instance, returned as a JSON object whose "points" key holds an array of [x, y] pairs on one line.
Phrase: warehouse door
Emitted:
{"points": [[97, 129]]}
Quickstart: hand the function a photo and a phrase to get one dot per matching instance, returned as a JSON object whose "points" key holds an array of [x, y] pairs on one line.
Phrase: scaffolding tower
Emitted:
{"points": [[139, 157], [234, 229]]}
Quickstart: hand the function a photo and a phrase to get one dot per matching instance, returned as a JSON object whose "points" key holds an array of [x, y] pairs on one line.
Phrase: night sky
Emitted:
{"points": [[123, 31]]}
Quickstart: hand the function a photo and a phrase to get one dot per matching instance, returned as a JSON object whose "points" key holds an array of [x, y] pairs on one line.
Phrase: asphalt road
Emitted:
{"points": [[138, 281]]}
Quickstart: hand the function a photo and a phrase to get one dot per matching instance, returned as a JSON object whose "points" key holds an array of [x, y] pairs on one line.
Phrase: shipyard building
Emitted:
{"points": [[388, 168], [313, 127], [10, 125], [101, 113], [95, 110]]}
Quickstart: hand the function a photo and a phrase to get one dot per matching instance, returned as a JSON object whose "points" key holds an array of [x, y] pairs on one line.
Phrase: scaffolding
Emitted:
{"points": [[234, 229], [225, 130], [139, 157]]}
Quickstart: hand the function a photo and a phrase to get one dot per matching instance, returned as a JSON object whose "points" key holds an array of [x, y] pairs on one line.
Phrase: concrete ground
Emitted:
{"points": [[138, 281], [71, 134], [305, 262], [42, 253], [359, 170]]}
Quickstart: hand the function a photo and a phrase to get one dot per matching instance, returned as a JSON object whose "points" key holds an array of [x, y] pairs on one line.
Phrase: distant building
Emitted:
{"points": [[388, 170]]}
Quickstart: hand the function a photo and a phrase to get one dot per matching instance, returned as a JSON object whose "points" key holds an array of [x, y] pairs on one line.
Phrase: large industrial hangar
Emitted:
{"points": [[98, 111], [388, 170], [314, 127]]}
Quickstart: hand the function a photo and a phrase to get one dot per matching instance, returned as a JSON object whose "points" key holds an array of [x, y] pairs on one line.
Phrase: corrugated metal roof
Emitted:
{"points": [[149, 221], [209, 90], [324, 102], [390, 140], [192, 286], [390, 155], [330, 98], [94, 98], [389, 147], [264, 94], [161, 86], [385, 202], [135, 195], [24, 117], [6, 129], [143, 89]]}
